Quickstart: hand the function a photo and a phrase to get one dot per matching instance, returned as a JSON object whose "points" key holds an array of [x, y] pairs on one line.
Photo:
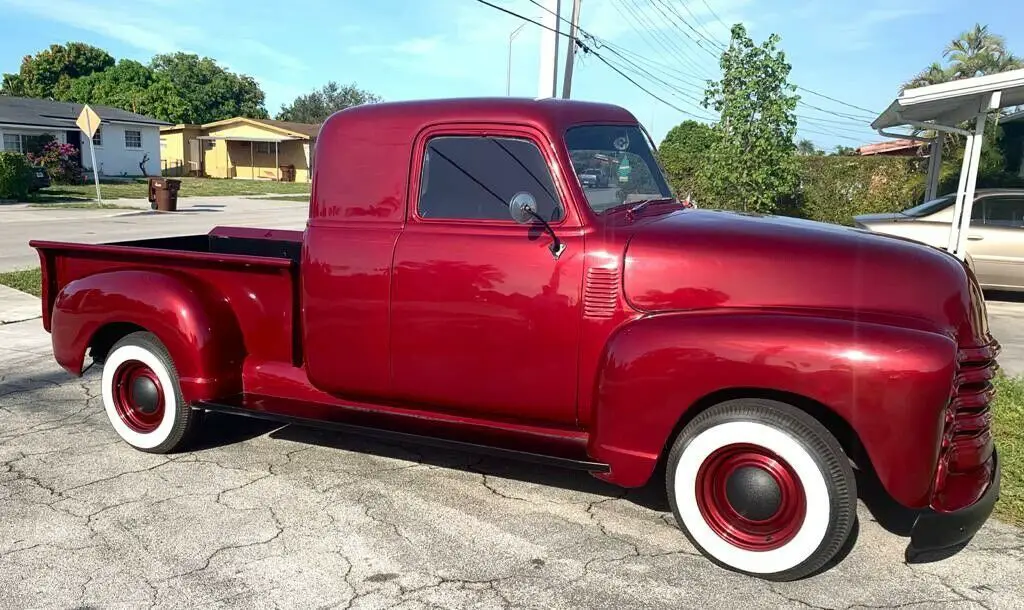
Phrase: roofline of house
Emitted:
{"points": [[258, 123]]}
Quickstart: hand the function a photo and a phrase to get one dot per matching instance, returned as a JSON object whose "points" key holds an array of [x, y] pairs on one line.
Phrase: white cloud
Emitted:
{"points": [[133, 27]]}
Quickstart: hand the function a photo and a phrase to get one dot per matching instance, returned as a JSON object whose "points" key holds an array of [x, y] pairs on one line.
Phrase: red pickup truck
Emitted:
{"points": [[457, 284]]}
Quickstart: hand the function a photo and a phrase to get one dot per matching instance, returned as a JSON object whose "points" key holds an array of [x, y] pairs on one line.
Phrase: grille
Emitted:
{"points": [[967, 437], [600, 293]]}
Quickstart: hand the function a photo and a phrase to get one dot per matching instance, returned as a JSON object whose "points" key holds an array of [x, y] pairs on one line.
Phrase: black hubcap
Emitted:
{"points": [[753, 493], [145, 395]]}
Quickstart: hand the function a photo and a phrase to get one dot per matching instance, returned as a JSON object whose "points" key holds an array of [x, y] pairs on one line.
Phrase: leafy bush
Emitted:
{"points": [[61, 162], [837, 188], [15, 176]]}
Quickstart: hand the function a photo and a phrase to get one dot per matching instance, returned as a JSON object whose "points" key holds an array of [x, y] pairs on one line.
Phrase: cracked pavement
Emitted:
{"points": [[259, 516]]}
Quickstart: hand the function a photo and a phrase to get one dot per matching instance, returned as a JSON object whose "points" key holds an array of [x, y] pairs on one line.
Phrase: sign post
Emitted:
{"points": [[88, 121]]}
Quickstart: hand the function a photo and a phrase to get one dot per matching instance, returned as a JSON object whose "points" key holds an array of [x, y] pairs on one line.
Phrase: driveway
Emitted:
{"points": [[20, 223], [261, 517]]}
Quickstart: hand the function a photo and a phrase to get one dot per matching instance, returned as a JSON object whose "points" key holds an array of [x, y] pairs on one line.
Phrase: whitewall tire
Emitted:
{"points": [[142, 396], [763, 488]]}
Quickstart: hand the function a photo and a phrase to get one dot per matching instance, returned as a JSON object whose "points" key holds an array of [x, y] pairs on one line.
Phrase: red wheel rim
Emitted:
{"points": [[780, 518], [138, 396]]}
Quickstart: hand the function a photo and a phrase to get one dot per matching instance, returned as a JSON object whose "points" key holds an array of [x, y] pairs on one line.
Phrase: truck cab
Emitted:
{"points": [[458, 283]]}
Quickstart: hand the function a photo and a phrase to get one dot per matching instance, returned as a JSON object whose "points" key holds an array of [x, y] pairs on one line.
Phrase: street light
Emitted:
{"points": [[508, 75]]}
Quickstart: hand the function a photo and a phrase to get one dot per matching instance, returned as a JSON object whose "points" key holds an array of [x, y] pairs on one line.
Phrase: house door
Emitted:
{"points": [[74, 138]]}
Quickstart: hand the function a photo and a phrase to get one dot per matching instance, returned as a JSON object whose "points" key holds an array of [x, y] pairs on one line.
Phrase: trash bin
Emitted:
{"points": [[287, 173], [163, 194]]}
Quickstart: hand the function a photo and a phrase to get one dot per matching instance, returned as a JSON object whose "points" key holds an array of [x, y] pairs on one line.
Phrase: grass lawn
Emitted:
{"points": [[26, 280], [1009, 433], [190, 187]]}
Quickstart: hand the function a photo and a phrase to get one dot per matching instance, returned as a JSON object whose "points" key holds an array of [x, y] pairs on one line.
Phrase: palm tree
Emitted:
{"points": [[932, 75], [977, 52]]}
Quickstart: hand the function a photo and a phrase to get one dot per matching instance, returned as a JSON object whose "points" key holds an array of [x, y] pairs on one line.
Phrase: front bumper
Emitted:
{"points": [[938, 535]]}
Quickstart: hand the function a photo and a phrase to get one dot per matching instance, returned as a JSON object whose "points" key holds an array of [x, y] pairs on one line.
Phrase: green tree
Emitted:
{"points": [[207, 91], [807, 148], [50, 72], [752, 156], [131, 86], [975, 52], [683, 152], [316, 106]]}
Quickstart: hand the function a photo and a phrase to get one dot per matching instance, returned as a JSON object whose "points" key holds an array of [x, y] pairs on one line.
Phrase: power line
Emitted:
{"points": [[716, 43], [638, 70], [872, 113], [590, 51], [715, 15], [648, 30]]}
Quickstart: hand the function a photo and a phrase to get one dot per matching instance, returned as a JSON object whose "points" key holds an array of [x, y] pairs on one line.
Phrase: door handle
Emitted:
{"points": [[975, 237]]}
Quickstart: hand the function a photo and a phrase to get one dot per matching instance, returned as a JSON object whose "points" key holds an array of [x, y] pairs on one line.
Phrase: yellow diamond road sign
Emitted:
{"points": [[88, 121]]}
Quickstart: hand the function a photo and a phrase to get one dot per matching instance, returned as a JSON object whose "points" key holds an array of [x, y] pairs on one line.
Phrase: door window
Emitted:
{"points": [[476, 178], [1000, 211]]}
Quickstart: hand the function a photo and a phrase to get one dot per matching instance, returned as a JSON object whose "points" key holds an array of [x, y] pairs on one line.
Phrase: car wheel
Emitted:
{"points": [[761, 487], [142, 395]]}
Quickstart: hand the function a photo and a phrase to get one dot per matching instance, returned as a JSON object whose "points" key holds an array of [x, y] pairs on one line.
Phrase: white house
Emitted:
{"points": [[124, 140]]}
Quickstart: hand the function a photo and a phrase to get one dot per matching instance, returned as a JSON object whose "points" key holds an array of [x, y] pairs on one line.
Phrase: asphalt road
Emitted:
{"points": [[262, 517], [19, 223]]}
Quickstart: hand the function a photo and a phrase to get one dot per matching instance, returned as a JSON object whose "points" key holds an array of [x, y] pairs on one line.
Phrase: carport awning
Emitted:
{"points": [[954, 102], [249, 138], [942, 109]]}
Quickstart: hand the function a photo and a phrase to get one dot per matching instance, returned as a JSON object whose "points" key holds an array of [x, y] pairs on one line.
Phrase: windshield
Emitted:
{"points": [[617, 163], [929, 207]]}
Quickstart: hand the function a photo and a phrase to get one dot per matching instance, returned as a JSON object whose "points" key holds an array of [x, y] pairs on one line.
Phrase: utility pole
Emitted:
{"points": [[570, 53], [508, 75], [547, 81]]}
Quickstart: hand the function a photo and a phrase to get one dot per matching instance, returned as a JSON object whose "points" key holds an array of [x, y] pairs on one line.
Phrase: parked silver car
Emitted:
{"points": [[995, 240]]}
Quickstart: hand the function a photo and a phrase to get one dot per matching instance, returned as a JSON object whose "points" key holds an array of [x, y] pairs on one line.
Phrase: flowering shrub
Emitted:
{"points": [[61, 162]]}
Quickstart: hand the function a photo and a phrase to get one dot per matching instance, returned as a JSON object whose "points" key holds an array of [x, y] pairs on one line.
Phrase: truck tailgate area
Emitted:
{"points": [[254, 271]]}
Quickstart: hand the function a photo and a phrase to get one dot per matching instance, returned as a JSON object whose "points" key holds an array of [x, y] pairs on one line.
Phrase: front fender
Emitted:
{"points": [[889, 383], [194, 322]]}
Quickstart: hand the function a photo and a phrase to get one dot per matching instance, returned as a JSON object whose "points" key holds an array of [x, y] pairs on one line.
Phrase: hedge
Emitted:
{"points": [[836, 188], [15, 176]]}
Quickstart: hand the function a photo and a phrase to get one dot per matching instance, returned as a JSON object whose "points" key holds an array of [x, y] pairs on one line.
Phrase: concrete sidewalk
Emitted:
{"points": [[17, 306]]}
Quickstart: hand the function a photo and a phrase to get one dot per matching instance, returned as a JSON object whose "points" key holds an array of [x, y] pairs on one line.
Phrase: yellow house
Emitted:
{"points": [[253, 149]]}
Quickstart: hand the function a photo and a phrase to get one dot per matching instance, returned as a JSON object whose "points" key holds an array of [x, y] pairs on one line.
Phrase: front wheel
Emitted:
{"points": [[142, 396], [761, 487]]}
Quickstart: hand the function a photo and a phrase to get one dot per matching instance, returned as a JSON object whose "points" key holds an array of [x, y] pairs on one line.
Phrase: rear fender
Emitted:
{"points": [[890, 384], [191, 319]]}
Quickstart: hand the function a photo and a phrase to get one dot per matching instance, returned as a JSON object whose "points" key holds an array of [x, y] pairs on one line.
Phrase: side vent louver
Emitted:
{"points": [[600, 293]]}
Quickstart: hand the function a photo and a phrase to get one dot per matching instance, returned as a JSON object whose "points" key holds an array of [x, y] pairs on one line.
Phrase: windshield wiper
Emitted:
{"points": [[639, 205]]}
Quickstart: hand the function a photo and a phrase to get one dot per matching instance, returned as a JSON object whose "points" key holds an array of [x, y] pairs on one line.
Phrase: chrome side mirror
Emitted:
{"points": [[523, 208]]}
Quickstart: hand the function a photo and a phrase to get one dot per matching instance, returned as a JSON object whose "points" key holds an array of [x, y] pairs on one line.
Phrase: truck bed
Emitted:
{"points": [[255, 270]]}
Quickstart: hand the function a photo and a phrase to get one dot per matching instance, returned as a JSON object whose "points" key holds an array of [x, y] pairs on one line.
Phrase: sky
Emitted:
{"points": [[858, 52]]}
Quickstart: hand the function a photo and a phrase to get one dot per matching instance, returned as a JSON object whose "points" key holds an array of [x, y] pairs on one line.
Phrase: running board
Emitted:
{"points": [[363, 423]]}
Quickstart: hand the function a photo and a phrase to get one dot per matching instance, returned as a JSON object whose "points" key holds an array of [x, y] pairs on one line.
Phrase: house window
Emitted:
{"points": [[132, 139], [97, 138], [12, 142], [24, 143], [264, 148], [476, 177]]}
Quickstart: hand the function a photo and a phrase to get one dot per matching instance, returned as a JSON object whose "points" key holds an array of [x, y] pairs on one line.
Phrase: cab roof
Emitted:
{"points": [[552, 113]]}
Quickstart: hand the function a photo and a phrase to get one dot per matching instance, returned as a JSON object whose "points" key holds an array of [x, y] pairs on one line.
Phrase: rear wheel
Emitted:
{"points": [[142, 396], [761, 487]]}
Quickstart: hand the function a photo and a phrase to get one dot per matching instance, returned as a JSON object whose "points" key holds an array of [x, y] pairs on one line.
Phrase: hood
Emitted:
{"points": [[697, 259]]}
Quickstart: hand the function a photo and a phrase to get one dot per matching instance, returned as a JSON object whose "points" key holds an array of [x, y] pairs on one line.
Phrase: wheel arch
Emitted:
{"points": [[191, 319], [863, 380], [837, 426]]}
